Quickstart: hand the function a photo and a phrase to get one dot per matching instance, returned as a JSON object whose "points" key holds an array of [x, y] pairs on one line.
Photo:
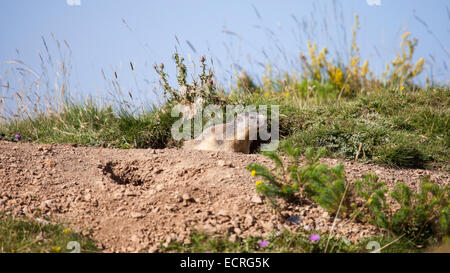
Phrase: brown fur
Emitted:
{"points": [[214, 138]]}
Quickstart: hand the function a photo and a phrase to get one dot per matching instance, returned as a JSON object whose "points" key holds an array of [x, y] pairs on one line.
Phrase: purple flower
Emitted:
{"points": [[17, 136], [314, 237], [263, 244]]}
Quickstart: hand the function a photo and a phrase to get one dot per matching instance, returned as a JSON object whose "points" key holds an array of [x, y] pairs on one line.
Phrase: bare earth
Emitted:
{"points": [[129, 200]]}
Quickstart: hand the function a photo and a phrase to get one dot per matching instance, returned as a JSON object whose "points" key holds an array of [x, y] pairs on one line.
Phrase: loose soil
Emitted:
{"points": [[133, 200]]}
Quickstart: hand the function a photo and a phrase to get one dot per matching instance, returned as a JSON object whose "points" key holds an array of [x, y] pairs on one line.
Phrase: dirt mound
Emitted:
{"points": [[129, 200]]}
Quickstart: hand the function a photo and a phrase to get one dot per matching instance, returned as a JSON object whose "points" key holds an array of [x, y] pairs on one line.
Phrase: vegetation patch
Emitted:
{"points": [[28, 235]]}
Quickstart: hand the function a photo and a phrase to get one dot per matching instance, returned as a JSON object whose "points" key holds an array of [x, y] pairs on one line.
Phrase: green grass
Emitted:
{"points": [[20, 235], [402, 129], [89, 125], [396, 128], [287, 242]]}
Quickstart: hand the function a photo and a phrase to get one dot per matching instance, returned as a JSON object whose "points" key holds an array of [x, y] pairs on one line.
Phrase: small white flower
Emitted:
{"points": [[183, 91]]}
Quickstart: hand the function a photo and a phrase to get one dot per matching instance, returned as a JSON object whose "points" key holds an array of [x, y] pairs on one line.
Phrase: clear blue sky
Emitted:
{"points": [[99, 38]]}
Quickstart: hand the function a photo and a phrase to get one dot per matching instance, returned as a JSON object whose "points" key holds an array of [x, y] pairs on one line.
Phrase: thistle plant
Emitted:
{"points": [[202, 87]]}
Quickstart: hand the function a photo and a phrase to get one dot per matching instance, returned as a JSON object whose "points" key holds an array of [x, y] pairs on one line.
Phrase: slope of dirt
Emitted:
{"points": [[130, 200]]}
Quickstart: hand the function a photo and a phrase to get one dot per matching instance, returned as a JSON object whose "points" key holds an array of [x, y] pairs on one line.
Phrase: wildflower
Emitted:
{"points": [[56, 248], [370, 200], [364, 68], [406, 35], [402, 87], [443, 211], [258, 183], [253, 172], [263, 243], [18, 136], [67, 230], [314, 237]]}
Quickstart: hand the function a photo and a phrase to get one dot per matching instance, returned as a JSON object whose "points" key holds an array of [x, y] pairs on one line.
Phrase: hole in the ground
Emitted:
{"points": [[123, 172]]}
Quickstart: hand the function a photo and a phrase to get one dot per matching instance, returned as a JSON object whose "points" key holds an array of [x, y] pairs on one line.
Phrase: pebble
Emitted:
{"points": [[256, 199]]}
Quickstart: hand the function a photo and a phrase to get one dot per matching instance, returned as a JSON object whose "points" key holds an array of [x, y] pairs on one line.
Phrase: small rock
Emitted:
{"points": [[249, 220], [268, 226], [117, 195], [47, 204], [135, 239], [49, 163], [220, 163], [223, 163], [41, 221], [129, 193], [238, 231], [137, 215], [186, 196], [222, 212], [87, 197], [256, 199]]}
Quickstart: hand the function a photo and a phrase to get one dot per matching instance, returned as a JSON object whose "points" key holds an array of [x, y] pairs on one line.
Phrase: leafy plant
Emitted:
{"points": [[421, 215], [285, 179], [326, 186]]}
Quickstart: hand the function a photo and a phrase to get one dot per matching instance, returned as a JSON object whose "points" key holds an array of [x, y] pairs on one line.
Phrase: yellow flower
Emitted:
{"points": [[365, 68], [253, 172], [406, 35], [67, 230], [258, 183], [402, 87], [56, 248], [370, 200], [443, 211]]}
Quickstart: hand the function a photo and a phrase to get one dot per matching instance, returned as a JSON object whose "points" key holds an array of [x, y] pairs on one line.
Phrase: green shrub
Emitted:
{"points": [[421, 216], [326, 186], [283, 181]]}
